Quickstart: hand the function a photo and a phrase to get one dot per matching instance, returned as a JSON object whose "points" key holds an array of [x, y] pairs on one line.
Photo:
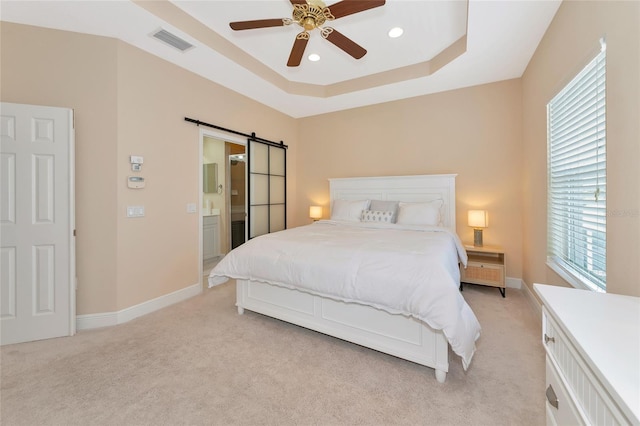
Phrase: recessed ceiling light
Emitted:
{"points": [[395, 32], [314, 57]]}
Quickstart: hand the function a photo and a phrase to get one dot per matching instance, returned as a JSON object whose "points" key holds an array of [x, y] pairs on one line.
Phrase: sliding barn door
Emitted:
{"points": [[267, 188]]}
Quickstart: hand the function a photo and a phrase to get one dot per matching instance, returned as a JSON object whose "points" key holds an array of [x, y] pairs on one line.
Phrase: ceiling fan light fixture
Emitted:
{"points": [[308, 23], [314, 57]]}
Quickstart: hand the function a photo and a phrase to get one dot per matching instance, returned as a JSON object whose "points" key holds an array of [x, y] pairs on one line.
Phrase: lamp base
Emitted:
{"points": [[477, 237]]}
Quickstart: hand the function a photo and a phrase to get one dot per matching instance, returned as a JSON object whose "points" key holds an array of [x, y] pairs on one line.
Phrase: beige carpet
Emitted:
{"points": [[200, 363]]}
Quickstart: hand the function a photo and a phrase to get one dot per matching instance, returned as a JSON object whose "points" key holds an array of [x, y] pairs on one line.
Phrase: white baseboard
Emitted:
{"points": [[106, 319], [513, 283], [533, 300]]}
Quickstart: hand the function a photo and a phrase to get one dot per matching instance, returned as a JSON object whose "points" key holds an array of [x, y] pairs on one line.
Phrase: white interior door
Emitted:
{"points": [[37, 290]]}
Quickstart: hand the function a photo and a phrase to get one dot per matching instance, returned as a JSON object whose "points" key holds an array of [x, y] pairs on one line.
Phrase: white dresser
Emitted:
{"points": [[592, 342]]}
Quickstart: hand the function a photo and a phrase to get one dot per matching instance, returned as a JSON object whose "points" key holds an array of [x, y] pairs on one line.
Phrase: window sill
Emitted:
{"points": [[571, 278]]}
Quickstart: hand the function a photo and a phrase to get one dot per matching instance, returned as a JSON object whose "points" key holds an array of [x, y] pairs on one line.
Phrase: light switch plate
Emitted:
{"points": [[191, 207], [135, 211]]}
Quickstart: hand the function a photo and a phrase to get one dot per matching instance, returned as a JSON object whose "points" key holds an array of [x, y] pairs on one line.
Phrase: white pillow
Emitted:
{"points": [[349, 210], [427, 213]]}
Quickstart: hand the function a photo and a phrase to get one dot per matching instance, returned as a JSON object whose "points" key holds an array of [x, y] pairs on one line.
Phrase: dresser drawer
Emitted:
{"points": [[559, 407], [592, 403]]}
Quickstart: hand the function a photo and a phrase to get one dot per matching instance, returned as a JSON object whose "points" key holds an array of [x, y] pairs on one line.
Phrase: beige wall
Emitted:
{"points": [[493, 136], [571, 40], [55, 68], [475, 132], [129, 102]]}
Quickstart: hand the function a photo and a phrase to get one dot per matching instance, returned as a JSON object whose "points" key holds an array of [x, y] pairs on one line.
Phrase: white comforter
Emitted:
{"points": [[399, 269]]}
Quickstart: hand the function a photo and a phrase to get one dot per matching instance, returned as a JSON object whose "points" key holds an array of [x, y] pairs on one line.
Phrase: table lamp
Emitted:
{"points": [[315, 212], [478, 219]]}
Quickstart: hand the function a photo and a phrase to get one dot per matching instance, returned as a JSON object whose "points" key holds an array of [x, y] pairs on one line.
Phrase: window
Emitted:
{"points": [[576, 167]]}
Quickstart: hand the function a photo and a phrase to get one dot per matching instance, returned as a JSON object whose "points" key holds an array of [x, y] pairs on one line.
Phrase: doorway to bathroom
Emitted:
{"points": [[223, 198], [243, 186]]}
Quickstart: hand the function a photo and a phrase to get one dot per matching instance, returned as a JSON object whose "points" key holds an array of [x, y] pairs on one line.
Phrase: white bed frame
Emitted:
{"points": [[398, 335]]}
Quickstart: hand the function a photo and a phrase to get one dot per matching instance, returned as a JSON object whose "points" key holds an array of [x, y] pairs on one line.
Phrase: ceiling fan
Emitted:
{"points": [[312, 14]]}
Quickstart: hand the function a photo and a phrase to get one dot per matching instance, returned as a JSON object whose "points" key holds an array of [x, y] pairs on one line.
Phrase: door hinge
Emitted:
{"points": [[74, 232]]}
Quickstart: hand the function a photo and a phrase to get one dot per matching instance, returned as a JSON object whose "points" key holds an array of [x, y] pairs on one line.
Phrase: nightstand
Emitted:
{"points": [[485, 266]]}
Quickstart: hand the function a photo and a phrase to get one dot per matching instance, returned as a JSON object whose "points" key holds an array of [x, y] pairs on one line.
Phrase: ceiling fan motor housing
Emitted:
{"points": [[310, 16]]}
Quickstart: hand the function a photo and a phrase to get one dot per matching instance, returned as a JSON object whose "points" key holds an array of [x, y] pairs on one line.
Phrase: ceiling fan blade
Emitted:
{"points": [[349, 7], [298, 1], [260, 23], [298, 49], [345, 43]]}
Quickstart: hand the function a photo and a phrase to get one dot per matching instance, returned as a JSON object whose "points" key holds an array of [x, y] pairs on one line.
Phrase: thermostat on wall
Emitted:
{"points": [[136, 162], [135, 182]]}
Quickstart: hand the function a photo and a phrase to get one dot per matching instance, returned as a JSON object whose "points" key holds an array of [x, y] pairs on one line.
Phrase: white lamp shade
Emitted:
{"points": [[478, 218], [315, 212]]}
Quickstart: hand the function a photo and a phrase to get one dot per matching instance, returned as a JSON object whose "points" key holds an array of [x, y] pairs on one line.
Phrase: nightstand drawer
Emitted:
{"points": [[484, 274], [485, 266]]}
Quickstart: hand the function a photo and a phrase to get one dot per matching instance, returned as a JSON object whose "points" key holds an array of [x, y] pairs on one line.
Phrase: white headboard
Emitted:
{"points": [[401, 188]]}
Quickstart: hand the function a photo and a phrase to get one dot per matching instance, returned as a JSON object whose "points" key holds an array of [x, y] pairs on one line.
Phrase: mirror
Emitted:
{"points": [[210, 178]]}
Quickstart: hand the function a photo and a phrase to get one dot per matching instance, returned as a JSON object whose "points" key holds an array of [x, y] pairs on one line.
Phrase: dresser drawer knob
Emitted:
{"points": [[548, 339], [551, 397]]}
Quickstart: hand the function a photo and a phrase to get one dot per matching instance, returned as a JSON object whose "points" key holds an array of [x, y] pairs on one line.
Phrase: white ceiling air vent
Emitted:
{"points": [[172, 40]]}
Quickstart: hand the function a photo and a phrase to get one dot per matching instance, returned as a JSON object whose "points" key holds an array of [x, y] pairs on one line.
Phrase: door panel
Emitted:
{"points": [[258, 221], [43, 178], [8, 191], [8, 286], [260, 189], [276, 190], [260, 157], [44, 279], [277, 161], [38, 247], [277, 218], [267, 188]]}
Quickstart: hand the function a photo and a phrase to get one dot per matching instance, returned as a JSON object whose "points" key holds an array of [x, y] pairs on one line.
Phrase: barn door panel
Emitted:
{"points": [[267, 188]]}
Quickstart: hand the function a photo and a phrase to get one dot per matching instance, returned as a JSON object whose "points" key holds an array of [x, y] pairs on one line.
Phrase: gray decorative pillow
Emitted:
{"points": [[385, 206], [377, 216]]}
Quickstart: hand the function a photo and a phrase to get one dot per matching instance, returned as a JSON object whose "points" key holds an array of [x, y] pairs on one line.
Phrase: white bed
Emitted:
{"points": [[375, 317]]}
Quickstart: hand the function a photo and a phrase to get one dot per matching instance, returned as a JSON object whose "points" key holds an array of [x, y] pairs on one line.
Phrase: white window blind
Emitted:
{"points": [[577, 199]]}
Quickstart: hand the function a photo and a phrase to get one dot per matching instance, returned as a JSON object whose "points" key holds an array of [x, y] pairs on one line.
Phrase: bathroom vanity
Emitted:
{"points": [[211, 235]]}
